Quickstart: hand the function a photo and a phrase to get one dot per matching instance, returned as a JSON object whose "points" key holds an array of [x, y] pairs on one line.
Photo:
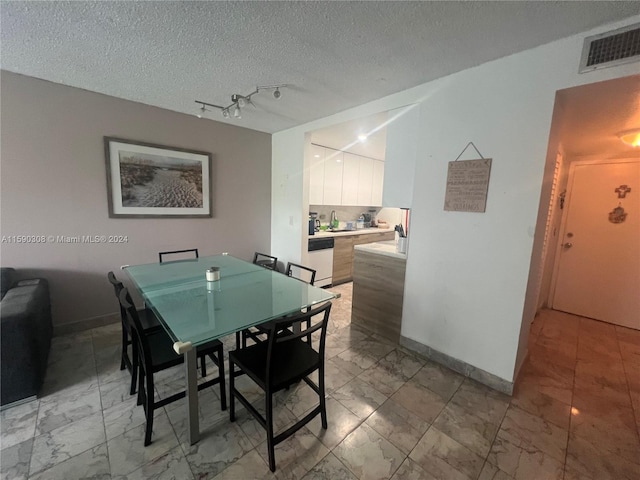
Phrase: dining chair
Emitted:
{"points": [[148, 322], [266, 261], [284, 359], [155, 352], [177, 252], [300, 272]]}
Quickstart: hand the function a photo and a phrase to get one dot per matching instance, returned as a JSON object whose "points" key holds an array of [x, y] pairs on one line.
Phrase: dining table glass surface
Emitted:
{"points": [[195, 310]]}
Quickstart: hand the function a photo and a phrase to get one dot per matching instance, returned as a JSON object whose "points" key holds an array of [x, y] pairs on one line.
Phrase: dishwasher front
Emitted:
{"points": [[321, 260]]}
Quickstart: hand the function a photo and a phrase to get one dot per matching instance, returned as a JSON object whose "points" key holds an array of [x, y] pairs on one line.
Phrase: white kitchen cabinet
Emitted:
{"points": [[378, 183], [333, 177], [350, 179], [365, 181], [316, 175]]}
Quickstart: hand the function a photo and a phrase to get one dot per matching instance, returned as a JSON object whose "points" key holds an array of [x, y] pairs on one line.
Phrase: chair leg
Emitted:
{"points": [[149, 410], [270, 445], [141, 395], [223, 381], [238, 341], [323, 399], [134, 369], [125, 342], [232, 403], [203, 365]]}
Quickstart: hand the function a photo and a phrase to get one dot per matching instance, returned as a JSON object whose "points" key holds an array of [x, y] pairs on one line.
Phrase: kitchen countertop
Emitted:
{"points": [[325, 233], [382, 248]]}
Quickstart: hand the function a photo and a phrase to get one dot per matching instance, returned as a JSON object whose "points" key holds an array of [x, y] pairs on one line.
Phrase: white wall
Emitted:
{"points": [[54, 183], [468, 288]]}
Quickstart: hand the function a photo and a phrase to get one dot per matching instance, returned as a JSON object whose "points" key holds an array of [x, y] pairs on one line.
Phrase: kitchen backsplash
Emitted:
{"points": [[350, 214]]}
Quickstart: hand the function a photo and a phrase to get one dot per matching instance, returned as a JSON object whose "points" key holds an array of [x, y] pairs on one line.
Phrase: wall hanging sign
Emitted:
{"points": [[152, 181], [622, 191], [467, 184]]}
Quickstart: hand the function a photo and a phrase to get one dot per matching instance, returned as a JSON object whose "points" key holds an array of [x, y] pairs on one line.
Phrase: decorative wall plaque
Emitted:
{"points": [[467, 185], [617, 215]]}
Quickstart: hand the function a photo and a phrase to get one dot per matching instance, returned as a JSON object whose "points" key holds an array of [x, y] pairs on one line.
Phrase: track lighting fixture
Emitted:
{"points": [[238, 102]]}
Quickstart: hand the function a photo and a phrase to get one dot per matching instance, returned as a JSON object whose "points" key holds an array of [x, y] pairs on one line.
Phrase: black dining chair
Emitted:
{"points": [[266, 261], [284, 359], [178, 252], [155, 352], [148, 322]]}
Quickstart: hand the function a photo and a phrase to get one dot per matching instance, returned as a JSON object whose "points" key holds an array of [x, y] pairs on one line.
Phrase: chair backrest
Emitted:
{"points": [[280, 333], [301, 272], [177, 252], [135, 327], [266, 261], [117, 287]]}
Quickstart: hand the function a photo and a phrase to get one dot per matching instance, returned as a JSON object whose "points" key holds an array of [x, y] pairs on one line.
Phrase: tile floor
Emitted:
{"points": [[575, 414]]}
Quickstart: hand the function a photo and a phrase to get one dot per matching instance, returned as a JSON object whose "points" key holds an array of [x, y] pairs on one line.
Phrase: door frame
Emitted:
{"points": [[565, 214]]}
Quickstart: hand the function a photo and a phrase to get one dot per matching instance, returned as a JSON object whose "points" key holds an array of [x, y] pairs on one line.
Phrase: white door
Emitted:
{"points": [[598, 266]]}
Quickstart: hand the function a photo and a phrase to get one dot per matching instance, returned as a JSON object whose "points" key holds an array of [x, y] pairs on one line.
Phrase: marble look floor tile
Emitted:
{"points": [[57, 411], [359, 397], [444, 458], [621, 440], [122, 417], [368, 455], [522, 429], [249, 466], [586, 459], [353, 362], [335, 345], [524, 462], [330, 468], [543, 406], [14, 461], [491, 472], [548, 378], [398, 425], [92, 464], [571, 474], [334, 376], [282, 418], [402, 363], [340, 423], [296, 455], [209, 413], [554, 351], [467, 429], [373, 348], [171, 466], [383, 379], [220, 446], [611, 406], [127, 451], [18, 423], [419, 400], [439, 379], [410, 470], [115, 393], [299, 399], [482, 401], [64, 442]]}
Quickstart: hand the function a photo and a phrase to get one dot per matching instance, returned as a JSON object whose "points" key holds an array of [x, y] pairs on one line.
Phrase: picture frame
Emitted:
{"points": [[147, 180]]}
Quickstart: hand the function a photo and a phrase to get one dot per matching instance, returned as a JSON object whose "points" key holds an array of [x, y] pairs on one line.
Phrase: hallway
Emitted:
{"points": [[583, 376]]}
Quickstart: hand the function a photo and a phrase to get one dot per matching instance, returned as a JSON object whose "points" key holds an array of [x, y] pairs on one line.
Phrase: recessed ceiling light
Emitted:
{"points": [[316, 156], [630, 137], [362, 137]]}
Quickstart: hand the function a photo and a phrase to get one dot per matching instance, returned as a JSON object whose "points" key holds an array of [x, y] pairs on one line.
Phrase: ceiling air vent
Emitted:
{"points": [[611, 48]]}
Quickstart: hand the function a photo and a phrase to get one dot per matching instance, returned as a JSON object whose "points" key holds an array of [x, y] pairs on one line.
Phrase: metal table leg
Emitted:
{"points": [[191, 371]]}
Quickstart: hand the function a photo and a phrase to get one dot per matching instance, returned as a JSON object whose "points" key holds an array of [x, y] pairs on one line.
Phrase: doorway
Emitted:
{"points": [[597, 271]]}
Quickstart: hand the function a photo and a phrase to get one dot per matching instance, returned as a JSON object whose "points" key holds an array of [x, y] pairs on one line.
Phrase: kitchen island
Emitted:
{"points": [[378, 288], [345, 242]]}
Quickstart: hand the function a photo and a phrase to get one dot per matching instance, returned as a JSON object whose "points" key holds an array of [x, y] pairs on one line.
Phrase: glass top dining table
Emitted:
{"points": [[193, 310]]}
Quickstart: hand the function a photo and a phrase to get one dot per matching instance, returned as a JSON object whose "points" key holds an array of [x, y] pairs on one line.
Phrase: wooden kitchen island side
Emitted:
{"points": [[378, 289]]}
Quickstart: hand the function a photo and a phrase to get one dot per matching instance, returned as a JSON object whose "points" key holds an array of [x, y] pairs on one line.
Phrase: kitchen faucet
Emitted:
{"points": [[332, 219]]}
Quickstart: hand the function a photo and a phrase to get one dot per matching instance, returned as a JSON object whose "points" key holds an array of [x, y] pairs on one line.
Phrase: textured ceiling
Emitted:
{"points": [[335, 55]]}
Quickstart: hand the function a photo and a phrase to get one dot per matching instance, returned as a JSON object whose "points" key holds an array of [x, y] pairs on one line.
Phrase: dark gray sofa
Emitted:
{"points": [[25, 335]]}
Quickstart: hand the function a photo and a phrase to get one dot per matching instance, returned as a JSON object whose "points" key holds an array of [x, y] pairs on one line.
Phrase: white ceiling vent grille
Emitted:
{"points": [[611, 48]]}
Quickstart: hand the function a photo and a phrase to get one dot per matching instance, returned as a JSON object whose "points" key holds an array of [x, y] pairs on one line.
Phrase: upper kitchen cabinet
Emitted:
{"points": [[316, 175], [378, 183], [365, 181], [333, 177], [350, 179], [400, 160]]}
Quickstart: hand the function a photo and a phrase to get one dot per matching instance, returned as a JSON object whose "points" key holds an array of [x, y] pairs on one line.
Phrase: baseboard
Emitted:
{"points": [[88, 324], [18, 402], [477, 374]]}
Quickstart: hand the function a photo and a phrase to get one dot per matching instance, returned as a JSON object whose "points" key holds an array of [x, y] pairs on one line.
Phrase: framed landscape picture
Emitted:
{"points": [[147, 180]]}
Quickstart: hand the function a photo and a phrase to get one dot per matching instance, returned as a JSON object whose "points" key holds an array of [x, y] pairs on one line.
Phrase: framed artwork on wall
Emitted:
{"points": [[145, 180]]}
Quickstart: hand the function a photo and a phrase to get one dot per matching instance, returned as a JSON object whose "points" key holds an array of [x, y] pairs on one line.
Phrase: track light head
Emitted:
{"points": [[225, 113], [277, 93], [238, 102], [237, 113]]}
